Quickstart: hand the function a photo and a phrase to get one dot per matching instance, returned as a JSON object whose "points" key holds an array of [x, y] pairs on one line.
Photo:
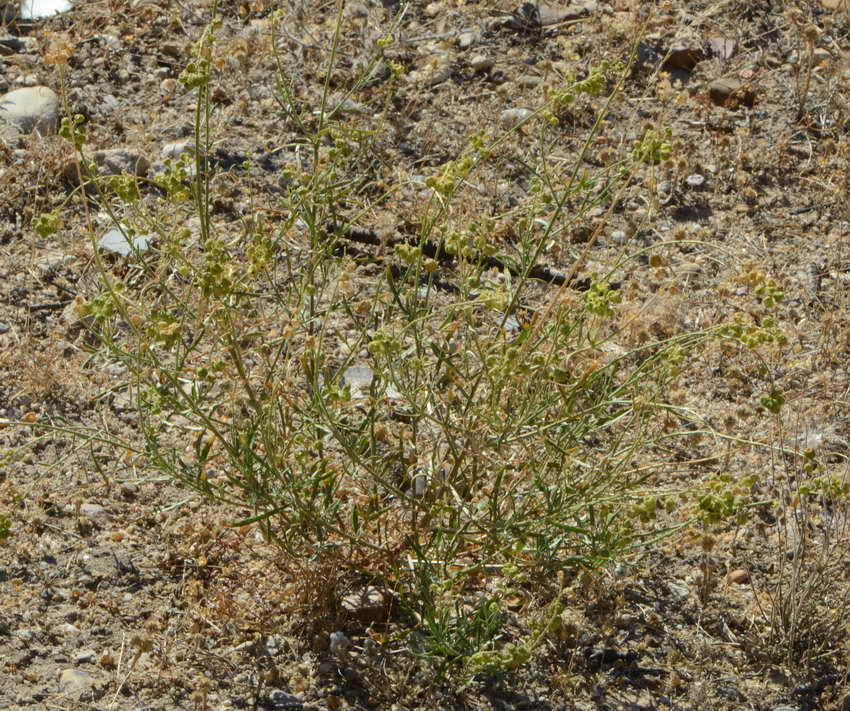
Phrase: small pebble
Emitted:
{"points": [[84, 656], [177, 148], [730, 92], [529, 81], [738, 577], [467, 39], [274, 645], [511, 117], [74, 682], [481, 63], [281, 700], [339, 643], [68, 629], [92, 510]]}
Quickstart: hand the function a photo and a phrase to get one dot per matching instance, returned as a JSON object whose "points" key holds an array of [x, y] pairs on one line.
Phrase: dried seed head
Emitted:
{"points": [[811, 33]]}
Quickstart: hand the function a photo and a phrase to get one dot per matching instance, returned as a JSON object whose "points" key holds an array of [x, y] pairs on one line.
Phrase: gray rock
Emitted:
{"points": [[116, 161], [529, 81], [343, 105], [481, 63], [93, 511], [723, 47], [356, 11], [339, 643], [75, 319], [67, 629], [53, 261], [85, 656], [512, 324], [27, 634], [534, 15], [366, 605], [74, 682], [730, 92], [113, 161], [684, 55], [29, 110], [116, 241], [281, 700], [173, 152], [647, 57], [695, 181], [11, 45], [274, 645], [679, 590], [552, 15]]}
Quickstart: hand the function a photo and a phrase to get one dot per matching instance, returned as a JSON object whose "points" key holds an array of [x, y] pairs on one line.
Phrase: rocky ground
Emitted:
{"points": [[122, 590]]}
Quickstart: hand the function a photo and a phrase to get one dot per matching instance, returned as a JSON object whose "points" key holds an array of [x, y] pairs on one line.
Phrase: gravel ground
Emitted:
{"points": [[122, 590]]}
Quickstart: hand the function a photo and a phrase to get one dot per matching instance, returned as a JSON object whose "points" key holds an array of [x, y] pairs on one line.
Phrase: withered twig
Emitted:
{"points": [[436, 252]]}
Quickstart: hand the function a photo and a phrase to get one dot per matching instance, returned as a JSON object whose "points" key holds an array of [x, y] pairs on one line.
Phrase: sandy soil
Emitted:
{"points": [[122, 590]]}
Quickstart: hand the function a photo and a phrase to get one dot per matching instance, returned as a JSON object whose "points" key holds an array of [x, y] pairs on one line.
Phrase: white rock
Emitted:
{"points": [[465, 40], [67, 629], [116, 241], [37, 9], [30, 109], [359, 379], [177, 148], [511, 117]]}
